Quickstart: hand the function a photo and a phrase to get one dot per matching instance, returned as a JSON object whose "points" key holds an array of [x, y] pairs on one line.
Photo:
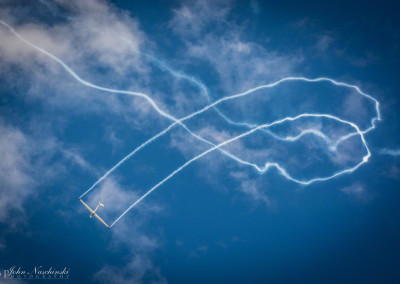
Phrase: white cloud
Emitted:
{"points": [[104, 37], [348, 153], [358, 191], [100, 36], [29, 161], [240, 64], [193, 18], [128, 232], [390, 152], [213, 164], [324, 43], [112, 195], [254, 188], [199, 251], [356, 108], [138, 267], [16, 183], [76, 158], [109, 34]]}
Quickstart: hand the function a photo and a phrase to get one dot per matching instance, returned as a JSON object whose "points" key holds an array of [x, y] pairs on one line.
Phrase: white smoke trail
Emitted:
{"points": [[84, 82], [267, 165], [213, 105], [231, 98], [204, 90]]}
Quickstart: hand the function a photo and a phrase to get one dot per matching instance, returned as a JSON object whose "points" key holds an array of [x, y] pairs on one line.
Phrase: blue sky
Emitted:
{"points": [[217, 220]]}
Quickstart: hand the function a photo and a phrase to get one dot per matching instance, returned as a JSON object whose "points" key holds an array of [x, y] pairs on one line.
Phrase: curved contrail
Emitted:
{"points": [[267, 165], [282, 171], [252, 127]]}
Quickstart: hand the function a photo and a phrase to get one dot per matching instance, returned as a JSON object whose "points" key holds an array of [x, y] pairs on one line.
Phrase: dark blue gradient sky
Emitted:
{"points": [[216, 221]]}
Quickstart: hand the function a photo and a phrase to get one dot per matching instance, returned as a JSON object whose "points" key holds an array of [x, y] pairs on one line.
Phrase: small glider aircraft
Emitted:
{"points": [[93, 212]]}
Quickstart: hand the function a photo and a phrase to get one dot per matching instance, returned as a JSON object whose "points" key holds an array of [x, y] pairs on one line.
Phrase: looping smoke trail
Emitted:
{"points": [[267, 165], [253, 128]]}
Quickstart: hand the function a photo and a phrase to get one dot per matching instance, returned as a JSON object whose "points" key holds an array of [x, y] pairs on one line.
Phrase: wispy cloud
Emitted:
{"points": [[77, 159], [103, 38], [253, 188], [390, 152], [16, 182], [130, 234], [194, 18], [324, 43], [240, 64], [29, 161], [199, 251], [139, 266], [99, 37], [358, 191]]}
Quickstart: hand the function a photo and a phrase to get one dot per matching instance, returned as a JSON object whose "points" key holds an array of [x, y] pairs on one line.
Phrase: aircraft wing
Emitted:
{"points": [[90, 209], [95, 214], [101, 220]]}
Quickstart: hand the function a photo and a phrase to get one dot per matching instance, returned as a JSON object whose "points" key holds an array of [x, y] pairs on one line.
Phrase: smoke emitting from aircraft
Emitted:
{"points": [[251, 128]]}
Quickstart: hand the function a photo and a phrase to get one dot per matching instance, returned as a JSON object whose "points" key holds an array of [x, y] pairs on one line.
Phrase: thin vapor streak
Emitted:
{"points": [[390, 152]]}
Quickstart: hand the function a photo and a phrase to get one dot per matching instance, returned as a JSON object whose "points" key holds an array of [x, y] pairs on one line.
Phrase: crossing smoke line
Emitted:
{"points": [[214, 105]]}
